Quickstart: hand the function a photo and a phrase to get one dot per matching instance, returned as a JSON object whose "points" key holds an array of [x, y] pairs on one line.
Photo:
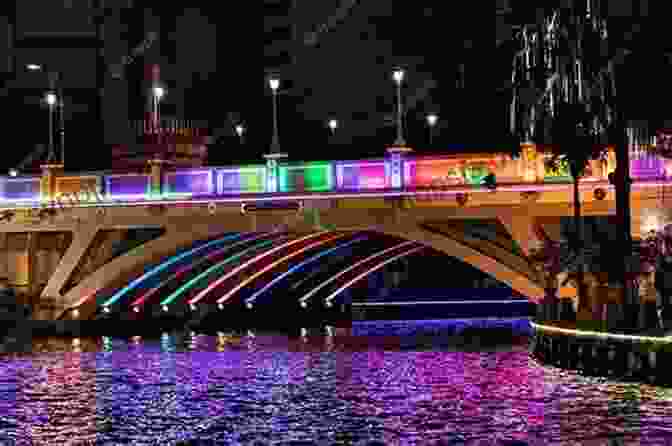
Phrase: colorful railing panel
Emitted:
{"points": [[361, 175], [241, 180], [20, 189], [127, 186], [189, 182], [306, 177]]}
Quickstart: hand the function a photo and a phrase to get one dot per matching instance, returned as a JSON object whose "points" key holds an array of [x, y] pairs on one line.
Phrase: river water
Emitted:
{"points": [[410, 383]]}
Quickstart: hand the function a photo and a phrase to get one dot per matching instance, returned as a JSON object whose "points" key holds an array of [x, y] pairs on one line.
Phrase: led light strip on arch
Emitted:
{"points": [[142, 299], [253, 298], [217, 266], [235, 289], [214, 284], [374, 268], [160, 267], [312, 292]]}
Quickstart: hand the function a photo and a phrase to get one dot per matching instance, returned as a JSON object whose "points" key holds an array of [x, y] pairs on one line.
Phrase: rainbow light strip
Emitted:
{"points": [[308, 295], [601, 335], [168, 300], [293, 269], [269, 267], [160, 267], [214, 284], [374, 268], [517, 187], [191, 266]]}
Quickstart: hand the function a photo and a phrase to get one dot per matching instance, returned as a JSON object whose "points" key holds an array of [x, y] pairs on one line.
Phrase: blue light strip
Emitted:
{"points": [[163, 265], [295, 268]]}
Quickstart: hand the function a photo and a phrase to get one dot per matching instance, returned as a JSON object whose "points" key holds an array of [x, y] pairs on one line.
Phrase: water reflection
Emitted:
{"points": [[337, 386]]}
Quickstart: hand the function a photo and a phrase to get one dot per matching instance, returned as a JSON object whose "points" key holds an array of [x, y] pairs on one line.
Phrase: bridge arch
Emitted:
{"points": [[503, 266]]}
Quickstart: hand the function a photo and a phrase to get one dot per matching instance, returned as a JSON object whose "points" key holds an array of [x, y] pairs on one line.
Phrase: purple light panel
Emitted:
{"points": [[190, 182], [126, 185], [647, 166], [21, 189]]}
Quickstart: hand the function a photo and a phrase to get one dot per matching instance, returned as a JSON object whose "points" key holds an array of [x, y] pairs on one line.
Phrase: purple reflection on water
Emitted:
{"points": [[237, 388]]}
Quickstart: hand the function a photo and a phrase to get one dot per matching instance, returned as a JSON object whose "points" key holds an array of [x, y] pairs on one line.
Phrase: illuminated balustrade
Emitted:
{"points": [[369, 175]]}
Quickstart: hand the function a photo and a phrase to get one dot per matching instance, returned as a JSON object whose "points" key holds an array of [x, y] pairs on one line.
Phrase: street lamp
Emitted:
{"points": [[333, 125], [274, 83], [157, 93], [240, 130], [51, 100], [13, 172], [398, 76], [431, 121], [54, 98]]}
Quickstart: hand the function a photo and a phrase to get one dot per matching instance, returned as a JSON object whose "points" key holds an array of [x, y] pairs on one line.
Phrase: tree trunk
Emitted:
{"points": [[578, 225]]}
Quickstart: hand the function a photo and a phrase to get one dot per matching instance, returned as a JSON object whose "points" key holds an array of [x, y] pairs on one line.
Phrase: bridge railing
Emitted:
{"points": [[417, 173]]}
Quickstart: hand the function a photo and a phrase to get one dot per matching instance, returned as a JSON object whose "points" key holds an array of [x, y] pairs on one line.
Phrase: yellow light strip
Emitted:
{"points": [[602, 335]]}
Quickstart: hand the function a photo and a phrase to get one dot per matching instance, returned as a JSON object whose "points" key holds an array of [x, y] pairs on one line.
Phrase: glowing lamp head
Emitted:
{"points": [[220, 306], [34, 67], [304, 305], [13, 172], [136, 310], [333, 124], [192, 307], [165, 308], [51, 99], [75, 313], [106, 309], [249, 305], [432, 119], [274, 83], [240, 129], [398, 75], [158, 92]]}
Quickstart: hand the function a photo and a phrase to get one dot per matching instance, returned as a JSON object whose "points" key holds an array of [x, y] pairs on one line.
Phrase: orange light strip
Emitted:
{"points": [[235, 289], [239, 268]]}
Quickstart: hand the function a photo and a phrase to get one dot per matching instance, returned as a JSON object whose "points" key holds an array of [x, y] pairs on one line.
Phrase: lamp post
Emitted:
{"points": [[431, 121], [274, 83], [54, 98], [157, 94], [272, 170], [398, 76], [51, 100]]}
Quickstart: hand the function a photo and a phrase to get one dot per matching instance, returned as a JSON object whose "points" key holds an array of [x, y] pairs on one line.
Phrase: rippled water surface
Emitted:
{"points": [[410, 383]]}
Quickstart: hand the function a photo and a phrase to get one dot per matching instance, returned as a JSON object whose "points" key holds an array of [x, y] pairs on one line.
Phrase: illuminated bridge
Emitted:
{"points": [[224, 238]]}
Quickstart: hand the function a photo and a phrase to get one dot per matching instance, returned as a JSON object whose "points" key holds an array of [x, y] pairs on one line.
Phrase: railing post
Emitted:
{"points": [[394, 166], [156, 177], [48, 181], [273, 171]]}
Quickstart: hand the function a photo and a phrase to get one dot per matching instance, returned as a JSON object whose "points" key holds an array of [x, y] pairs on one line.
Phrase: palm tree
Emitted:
{"points": [[573, 145]]}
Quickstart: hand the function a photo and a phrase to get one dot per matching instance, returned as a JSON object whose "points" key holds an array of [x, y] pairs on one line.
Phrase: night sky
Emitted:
{"points": [[214, 64]]}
